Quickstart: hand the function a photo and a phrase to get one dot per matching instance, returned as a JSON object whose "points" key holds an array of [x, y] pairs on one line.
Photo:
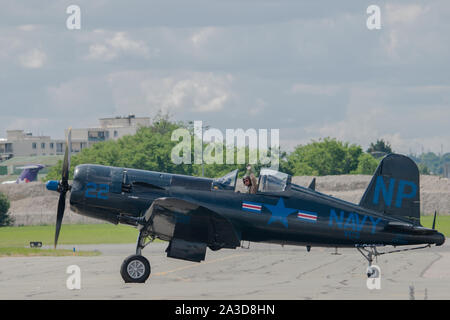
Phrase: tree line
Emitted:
{"points": [[150, 149]]}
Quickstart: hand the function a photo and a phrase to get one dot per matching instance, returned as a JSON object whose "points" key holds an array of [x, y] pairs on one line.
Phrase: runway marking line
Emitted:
{"points": [[163, 273]]}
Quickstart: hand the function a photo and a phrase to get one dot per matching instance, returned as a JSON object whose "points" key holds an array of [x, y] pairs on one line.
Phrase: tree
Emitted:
{"points": [[367, 164], [380, 148], [5, 218], [324, 157], [150, 149], [431, 163], [423, 169]]}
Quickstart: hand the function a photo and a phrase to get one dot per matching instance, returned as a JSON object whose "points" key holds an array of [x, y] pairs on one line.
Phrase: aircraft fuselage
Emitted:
{"points": [[298, 215]]}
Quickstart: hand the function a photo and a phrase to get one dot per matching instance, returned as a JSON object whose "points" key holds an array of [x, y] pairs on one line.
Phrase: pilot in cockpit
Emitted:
{"points": [[250, 181]]}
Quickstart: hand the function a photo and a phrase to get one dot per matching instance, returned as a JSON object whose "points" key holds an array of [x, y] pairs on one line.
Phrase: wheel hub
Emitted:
{"points": [[136, 269]]}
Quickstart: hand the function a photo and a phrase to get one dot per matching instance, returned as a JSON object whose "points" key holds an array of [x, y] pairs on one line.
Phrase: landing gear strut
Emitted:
{"points": [[369, 254], [136, 268]]}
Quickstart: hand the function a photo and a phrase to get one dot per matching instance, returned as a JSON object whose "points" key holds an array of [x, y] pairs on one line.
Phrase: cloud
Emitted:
{"points": [[403, 13], [199, 93], [83, 97], [201, 37], [33, 59], [315, 89], [308, 69], [101, 52], [9, 45], [179, 92], [407, 30], [38, 125], [369, 116], [27, 27], [119, 44]]}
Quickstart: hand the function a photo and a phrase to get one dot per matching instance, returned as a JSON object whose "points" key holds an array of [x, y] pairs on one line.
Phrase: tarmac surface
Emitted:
{"points": [[262, 272]]}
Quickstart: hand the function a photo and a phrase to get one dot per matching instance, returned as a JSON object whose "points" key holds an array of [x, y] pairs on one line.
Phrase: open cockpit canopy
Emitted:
{"points": [[269, 181], [273, 181]]}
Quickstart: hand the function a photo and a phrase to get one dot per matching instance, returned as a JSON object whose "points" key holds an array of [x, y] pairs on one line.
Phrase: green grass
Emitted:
{"points": [[32, 252], [442, 223], [70, 234]]}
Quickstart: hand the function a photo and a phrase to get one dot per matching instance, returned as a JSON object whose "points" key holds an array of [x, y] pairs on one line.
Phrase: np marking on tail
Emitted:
{"points": [[388, 191]]}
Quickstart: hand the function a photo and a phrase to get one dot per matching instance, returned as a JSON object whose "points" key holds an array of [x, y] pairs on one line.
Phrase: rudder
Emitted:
{"points": [[394, 189]]}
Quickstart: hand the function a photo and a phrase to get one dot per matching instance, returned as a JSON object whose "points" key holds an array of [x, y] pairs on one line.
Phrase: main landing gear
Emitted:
{"points": [[136, 268]]}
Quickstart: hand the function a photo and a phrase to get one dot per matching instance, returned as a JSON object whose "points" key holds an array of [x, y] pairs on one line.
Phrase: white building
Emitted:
{"points": [[109, 129], [19, 143]]}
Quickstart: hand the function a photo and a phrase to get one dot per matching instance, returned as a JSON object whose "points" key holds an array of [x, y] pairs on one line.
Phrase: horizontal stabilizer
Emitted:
{"points": [[400, 226]]}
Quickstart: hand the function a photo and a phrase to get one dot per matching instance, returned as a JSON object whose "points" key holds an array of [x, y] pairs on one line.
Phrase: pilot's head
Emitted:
{"points": [[247, 181]]}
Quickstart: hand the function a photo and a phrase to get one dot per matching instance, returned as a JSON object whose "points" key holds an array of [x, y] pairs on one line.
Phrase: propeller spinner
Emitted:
{"points": [[62, 186]]}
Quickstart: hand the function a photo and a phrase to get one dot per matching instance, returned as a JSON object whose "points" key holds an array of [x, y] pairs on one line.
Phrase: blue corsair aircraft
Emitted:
{"points": [[194, 213]]}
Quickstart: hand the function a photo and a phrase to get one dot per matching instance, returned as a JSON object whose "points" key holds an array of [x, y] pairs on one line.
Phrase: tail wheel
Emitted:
{"points": [[135, 269], [372, 272]]}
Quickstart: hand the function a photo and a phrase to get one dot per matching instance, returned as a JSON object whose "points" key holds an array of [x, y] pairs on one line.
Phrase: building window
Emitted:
{"points": [[9, 148], [34, 145], [43, 145], [115, 133], [51, 145]]}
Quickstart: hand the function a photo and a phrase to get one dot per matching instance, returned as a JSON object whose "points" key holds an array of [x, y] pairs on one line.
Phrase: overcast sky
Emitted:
{"points": [[309, 68]]}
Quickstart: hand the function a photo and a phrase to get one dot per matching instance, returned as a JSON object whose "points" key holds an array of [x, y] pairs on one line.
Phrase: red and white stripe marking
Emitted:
{"points": [[306, 216], [251, 206]]}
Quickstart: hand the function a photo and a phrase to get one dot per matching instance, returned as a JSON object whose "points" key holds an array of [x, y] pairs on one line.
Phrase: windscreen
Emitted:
{"points": [[227, 182]]}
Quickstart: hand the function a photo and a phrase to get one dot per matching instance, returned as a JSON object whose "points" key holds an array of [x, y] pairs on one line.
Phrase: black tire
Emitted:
{"points": [[214, 248], [135, 269], [372, 273]]}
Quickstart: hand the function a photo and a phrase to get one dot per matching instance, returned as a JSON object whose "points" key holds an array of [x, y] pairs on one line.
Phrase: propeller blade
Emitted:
{"points": [[63, 186], [60, 215], [66, 163]]}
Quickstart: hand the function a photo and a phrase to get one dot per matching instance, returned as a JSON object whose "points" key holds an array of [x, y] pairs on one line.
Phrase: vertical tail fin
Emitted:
{"points": [[394, 189]]}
